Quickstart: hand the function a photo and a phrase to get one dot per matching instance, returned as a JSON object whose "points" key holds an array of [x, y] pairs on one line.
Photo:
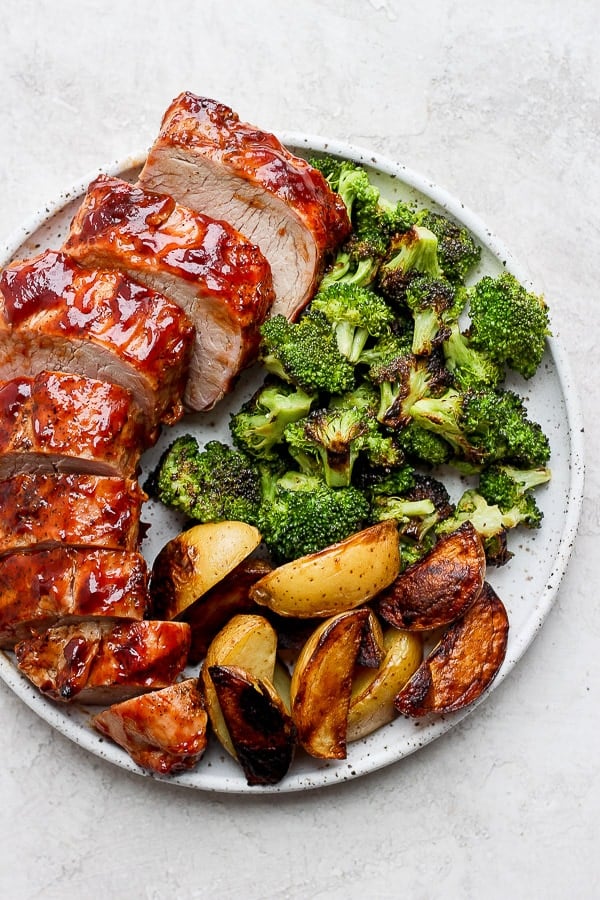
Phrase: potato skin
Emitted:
{"points": [[322, 684], [336, 579], [374, 691], [464, 663], [261, 730], [227, 598], [440, 587], [248, 642], [196, 560]]}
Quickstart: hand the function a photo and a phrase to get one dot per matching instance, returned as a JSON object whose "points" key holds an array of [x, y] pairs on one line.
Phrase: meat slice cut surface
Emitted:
{"points": [[39, 589], [164, 731], [208, 159], [39, 511], [104, 662], [221, 280], [68, 423], [58, 316]]}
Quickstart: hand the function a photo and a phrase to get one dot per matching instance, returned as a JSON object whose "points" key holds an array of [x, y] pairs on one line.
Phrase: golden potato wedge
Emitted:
{"points": [[262, 732], [228, 597], [374, 692], [248, 642], [440, 587], [336, 579], [194, 561], [463, 664], [322, 684]]}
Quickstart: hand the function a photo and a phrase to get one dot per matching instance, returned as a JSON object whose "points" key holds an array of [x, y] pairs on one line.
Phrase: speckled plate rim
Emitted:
{"points": [[385, 753]]}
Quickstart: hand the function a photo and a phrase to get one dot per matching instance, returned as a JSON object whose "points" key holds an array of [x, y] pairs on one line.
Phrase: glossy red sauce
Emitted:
{"points": [[96, 305], [259, 156], [147, 232]]}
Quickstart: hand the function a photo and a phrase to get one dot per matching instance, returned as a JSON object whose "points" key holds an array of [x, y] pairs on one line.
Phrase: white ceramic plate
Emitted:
{"points": [[528, 584]]}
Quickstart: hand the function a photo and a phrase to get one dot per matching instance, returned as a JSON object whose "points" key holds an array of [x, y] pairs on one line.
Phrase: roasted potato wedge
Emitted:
{"points": [[374, 692], [336, 579], [248, 642], [261, 730], [463, 664], [322, 684], [227, 598], [439, 588], [194, 561]]}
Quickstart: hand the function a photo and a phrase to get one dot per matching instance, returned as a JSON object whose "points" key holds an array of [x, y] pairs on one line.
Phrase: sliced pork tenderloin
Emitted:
{"points": [[163, 731], [58, 316], [68, 423], [42, 510], [101, 662], [221, 280], [209, 160], [39, 589]]}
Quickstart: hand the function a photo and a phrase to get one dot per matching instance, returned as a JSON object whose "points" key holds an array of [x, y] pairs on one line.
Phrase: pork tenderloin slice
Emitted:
{"points": [[58, 316], [103, 662], [40, 511], [164, 731], [221, 280], [39, 589], [209, 160], [68, 423]]}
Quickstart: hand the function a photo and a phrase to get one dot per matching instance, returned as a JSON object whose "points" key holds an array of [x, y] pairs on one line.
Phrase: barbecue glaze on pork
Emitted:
{"points": [[220, 279], [104, 662], [208, 160], [57, 316], [68, 423], [39, 589], [164, 731], [39, 511]]}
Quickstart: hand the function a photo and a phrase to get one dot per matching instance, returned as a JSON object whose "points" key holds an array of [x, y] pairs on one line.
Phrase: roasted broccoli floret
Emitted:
{"points": [[300, 514], [457, 252], [349, 180], [418, 508], [403, 379], [305, 353], [484, 426], [412, 253], [508, 323], [491, 523], [423, 446], [511, 488], [209, 485], [355, 314], [328, 441], [470, 368], [431, 302], [364, 396], [374, 219], [257, 428]]}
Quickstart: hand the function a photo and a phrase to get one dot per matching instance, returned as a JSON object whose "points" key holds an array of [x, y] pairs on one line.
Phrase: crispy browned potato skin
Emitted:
{"points": [[322, 684], [196, 560], [372, 649], [439, 588], [247, 642], [464, 663], [214, 609], [261, 730]]}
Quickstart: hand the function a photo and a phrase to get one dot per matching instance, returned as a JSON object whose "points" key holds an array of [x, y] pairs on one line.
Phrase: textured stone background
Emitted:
{"points": [[499, 103]]}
